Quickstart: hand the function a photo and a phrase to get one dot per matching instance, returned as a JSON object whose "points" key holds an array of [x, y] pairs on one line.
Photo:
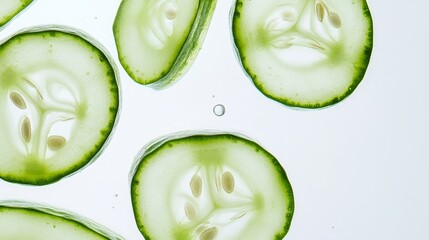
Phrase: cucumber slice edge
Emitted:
{"points": [[57, 213]]}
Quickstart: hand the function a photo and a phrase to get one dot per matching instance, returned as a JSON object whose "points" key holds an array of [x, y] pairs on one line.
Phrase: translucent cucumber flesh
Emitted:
{"points": [[158, 40], [60, 103], [307, 53], [209, 187], [10, 8], [23, 221]]}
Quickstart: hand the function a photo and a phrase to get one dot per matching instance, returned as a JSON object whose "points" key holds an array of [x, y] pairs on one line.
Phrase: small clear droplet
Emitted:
{"points": [[219, 110]]}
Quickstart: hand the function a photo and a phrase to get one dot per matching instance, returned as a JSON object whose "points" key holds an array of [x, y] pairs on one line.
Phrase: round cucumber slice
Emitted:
{"points": [[59, 102], [210, 186], [305, 53], [10, 8], [22, 220], [158, 40]]}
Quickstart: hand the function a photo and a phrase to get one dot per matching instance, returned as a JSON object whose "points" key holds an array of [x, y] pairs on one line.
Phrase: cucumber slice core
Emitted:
{"points": [[59, 104], [210, 186]]}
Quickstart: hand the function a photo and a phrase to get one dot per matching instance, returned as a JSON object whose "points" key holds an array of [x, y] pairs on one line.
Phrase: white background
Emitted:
{"points": [[359, 169]]}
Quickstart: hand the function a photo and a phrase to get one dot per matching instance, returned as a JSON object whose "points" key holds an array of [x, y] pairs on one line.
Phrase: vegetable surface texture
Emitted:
{"points": [[304, 53], [59, 104], [10, 8], [158, 40], [210, 186], [21, 220]]}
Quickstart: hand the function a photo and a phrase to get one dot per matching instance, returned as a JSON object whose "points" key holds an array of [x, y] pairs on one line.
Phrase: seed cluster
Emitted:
{"points": [[224, 182], [333, 18], [28, 99]]}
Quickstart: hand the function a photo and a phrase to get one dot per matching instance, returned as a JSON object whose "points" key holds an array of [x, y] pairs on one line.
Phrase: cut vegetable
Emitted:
{"points": [[59, 104], [158, 40], [210, 186], [305, 53], [21, 220], [10, 8]]}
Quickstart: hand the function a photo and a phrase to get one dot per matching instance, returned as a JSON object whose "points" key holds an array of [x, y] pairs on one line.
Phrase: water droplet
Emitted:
{"points": [[219, 110], [116, 195]]}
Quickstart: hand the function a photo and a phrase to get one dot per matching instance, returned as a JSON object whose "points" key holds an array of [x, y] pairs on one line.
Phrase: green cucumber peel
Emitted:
{"points": [[25, 220], [10, 9]]}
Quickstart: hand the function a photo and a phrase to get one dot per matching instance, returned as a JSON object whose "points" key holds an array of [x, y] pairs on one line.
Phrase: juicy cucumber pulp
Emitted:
{"points": [[210, 186], [10, 8], [305, 53], [21, 220], [59, 104], [158, 40]]}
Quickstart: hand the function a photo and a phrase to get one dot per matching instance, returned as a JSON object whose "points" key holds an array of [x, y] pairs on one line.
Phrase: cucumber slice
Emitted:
{"points": [[10, 8], [305, 53], [59, 104], [210, 186], [158, 40], [21, 220]]}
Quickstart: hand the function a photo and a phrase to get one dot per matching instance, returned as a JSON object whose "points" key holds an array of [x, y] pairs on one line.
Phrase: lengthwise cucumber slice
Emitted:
{"points": [[305, 53], [59, 104], [10, 8], [210, 186], [158, 40], [22, 220]]}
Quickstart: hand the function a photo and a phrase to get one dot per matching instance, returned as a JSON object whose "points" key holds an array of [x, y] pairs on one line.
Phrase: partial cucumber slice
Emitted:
{"points": [[10, 8], [21, 220], [210, 186], [59, 104], [305, 53], [158, 40]]}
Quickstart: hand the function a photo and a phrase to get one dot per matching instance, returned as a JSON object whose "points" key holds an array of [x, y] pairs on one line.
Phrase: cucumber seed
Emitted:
{"points": [[320, 11], [208, 234], [334, 19], [238, 215], [171, 11], [56, 142], [196, 185], [190, 211], [26, 129], [18, 100], [228, 182]]}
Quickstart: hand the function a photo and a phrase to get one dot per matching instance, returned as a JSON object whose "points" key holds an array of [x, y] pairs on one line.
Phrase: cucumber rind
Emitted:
{"points": [[114, 109], [57, 214], [191, 46], [185, 57], [6, 19], [360, 64], [150, 150]]}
